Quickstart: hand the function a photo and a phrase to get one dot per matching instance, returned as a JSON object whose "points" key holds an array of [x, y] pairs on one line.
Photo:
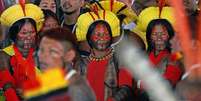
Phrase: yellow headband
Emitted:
{"points": [[15, 13], [118, 8], [85, 20]]}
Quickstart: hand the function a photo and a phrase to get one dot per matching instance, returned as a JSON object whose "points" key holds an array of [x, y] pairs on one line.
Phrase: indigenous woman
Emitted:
{"points": [[24, 21], [101, 68]]}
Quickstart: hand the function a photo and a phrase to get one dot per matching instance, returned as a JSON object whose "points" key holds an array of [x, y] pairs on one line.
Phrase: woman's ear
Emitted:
{"points": [[70, 55]]}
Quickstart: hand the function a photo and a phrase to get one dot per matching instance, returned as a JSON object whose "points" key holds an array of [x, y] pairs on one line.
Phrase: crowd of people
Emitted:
{"points": [[67, 50]]}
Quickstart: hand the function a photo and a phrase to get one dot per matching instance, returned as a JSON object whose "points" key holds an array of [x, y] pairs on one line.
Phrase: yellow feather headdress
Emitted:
{"points": [[117, 8], [17, 12], [85, 20], [149, 14]]}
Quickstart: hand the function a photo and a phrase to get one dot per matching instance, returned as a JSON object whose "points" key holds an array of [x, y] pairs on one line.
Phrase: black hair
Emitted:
{"points": [[150, 27], [17, 26], [37, 2], [48, 13], [93, 26]]}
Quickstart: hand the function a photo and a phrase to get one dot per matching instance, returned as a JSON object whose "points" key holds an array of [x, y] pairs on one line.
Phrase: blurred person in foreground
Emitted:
{"points": [[57, 49]]}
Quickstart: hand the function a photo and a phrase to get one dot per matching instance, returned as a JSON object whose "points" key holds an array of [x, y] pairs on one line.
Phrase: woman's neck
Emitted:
{"points": [[99, 54], [156, 52], [24, 52]]}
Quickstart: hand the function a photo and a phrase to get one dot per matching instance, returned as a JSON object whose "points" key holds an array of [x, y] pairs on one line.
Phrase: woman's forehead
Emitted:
{"points": [[159, 27]]}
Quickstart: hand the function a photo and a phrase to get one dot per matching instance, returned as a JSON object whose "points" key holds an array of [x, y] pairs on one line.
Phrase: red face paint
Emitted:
{"points": [[26, 36], [100, 33], [100, 37], [159, 37]]}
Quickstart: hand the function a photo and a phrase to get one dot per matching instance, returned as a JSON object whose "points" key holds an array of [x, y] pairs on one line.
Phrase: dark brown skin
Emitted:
{"points": [[1, 35], [4, 58], [2, 32]]}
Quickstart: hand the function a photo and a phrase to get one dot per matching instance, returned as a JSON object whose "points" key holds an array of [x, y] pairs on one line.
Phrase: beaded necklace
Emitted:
{"points": [[107, 56]]}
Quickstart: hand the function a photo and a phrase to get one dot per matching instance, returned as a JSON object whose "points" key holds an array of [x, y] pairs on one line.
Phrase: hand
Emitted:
{"points": [[124, 93], [19, 93], [4, 43]]}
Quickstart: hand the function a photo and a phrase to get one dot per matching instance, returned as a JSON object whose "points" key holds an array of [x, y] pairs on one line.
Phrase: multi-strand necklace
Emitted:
{"points": [[107, 56]]}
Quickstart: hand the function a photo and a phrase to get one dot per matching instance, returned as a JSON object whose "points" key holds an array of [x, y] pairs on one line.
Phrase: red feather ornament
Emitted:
{"points": [[161, 4], [111, 4], [22, 3]]}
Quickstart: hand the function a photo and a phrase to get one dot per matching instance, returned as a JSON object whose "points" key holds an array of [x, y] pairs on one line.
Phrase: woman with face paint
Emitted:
{"points": [[24, 25], [99, 36], [57, 51], [101, 68], [168, 64], [159, 34]]}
